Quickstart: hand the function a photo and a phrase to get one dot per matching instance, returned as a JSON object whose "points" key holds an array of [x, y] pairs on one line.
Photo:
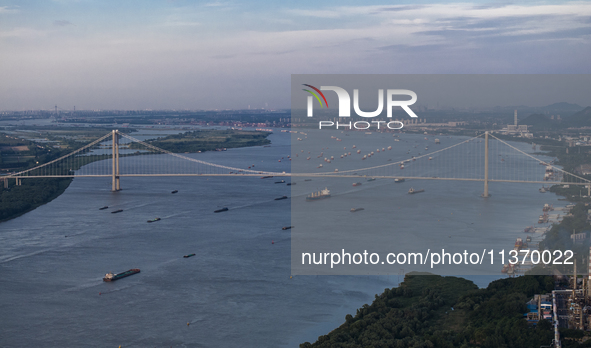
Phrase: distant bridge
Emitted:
{"points": [[470, 161]]}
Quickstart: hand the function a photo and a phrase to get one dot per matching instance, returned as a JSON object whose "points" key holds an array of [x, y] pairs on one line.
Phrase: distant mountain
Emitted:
{"points": [[580, 119], [539, 122], [562, 106]]}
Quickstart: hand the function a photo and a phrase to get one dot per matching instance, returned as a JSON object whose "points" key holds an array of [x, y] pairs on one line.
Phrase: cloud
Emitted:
{"points": [[62, 23], [9, 9], [201, 52]]}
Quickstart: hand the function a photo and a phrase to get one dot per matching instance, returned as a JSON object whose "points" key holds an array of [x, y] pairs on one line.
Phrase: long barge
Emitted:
{"points": [[110, 277]]}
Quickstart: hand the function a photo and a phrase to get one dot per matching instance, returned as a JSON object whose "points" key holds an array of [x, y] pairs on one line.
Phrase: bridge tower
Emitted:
{"points": [[115, 176], [485, 194]]}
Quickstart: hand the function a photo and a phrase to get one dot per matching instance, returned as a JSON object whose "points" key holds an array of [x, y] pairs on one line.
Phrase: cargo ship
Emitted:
{"points": [[399, 180], [175, 191], [356, 209], [413, 191], [189, 255], [371, 179], [280, 198], [103, 208], [154, 220], [221, 210], [356, 184], [287, 228], [318, 195], [280, 182], [116, 211], [266, 177], [110, 277]]}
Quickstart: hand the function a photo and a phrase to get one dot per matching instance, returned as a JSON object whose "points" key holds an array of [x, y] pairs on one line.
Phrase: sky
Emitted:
{"points": [[181, 54]]}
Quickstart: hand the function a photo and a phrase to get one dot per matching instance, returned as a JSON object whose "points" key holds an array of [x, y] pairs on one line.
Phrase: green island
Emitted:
{"points": [[208, 140], [18, 154]]}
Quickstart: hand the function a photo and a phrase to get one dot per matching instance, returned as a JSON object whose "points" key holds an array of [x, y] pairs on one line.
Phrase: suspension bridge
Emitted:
{"points": [[484, 158]]}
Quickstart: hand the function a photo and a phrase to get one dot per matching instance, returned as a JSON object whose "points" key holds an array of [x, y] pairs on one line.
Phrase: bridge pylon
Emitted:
{"points": [[116, 185], [485, 193]]}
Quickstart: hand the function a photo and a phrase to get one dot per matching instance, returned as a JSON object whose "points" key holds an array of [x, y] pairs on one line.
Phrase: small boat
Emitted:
{"points": [[287, 228], [543, 190], [221, 210], [266, 177], [356, 184], [399, 180], [189, 255], [356, 209], [154, 220], [413, 191], [175, 191], [116, 211], [280, 182], [290, 183], [371, 179], [280, 198], [308, 180], [103, 208]]}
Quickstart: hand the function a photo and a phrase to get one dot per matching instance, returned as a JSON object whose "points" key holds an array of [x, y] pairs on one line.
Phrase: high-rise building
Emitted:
{"points": [[515, 118]]}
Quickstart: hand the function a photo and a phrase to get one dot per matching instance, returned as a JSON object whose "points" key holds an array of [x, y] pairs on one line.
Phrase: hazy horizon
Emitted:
{"points": [[180, 54]]}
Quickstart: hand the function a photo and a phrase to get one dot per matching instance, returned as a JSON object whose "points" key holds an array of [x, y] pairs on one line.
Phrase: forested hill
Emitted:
{"points": [[581, 118], [435, 311]]}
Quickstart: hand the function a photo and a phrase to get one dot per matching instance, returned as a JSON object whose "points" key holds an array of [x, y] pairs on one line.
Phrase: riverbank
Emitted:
{"points": [[208, 140], [433, 311], [32, 193]]}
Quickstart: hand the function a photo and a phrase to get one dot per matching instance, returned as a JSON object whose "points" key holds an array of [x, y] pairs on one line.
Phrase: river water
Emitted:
{"points": [[237, 290]]}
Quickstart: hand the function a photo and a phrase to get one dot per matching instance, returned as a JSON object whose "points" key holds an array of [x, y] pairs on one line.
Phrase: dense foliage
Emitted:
{"points": [[32, 193], [434, 311]]}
